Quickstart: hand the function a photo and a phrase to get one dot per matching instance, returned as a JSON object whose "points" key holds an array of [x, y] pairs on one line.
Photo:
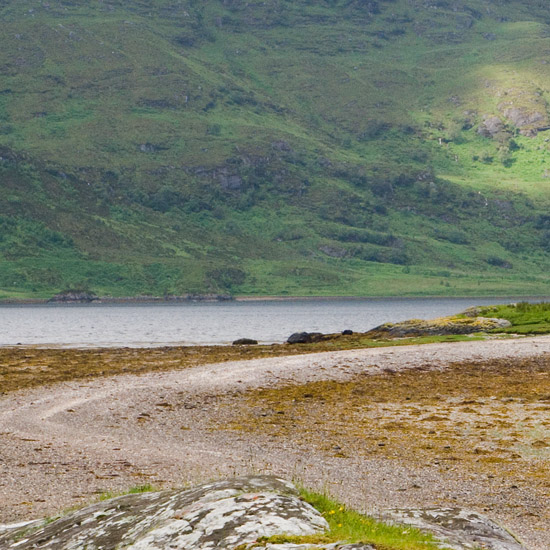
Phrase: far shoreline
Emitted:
{"points": [[182, 300], [407, 297]]}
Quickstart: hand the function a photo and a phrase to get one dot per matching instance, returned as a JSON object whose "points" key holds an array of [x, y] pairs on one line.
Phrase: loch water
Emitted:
{"points": [[147, 325]]}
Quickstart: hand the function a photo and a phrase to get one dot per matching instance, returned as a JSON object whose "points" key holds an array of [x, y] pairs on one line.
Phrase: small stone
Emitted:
{"points": [[245, 342]]}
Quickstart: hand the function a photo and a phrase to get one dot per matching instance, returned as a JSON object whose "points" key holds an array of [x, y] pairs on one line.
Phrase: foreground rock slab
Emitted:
{"points": [[228, 515], [459, 529], [225, 514]]}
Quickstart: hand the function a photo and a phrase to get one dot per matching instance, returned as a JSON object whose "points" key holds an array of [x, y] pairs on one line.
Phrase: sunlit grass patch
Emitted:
{"points": [[347, 525], [526, 318]]}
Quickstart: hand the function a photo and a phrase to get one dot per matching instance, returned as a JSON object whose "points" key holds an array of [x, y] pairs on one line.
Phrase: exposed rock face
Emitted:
{"points": [[460, 529], [229, 181], [522, 117], [437, 327], [490, 127], [304, 337], [526, 109], [225, 514]]}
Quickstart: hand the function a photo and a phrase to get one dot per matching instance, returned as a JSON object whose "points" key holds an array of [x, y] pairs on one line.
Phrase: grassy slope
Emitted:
{"points": [[273, 148], [525, 318]]}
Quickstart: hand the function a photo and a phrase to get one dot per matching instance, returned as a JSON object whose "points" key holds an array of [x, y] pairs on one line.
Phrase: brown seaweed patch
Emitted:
{"points": [[481, 417]]}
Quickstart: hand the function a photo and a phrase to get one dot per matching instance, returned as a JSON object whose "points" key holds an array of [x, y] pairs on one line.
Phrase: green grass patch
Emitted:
{"points": [[349, 526], [526, 318]]}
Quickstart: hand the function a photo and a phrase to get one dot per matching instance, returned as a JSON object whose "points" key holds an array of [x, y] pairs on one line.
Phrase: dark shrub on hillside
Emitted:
{"points": [[499, 262], [226, 277], [455, 236]]}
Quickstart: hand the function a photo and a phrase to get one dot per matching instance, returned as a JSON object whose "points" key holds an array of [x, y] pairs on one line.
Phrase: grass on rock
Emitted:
{"points": [[352, 527]]}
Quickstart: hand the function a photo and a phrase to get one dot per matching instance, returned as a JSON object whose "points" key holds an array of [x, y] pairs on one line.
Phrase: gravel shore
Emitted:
{"points": [[63, 445]]}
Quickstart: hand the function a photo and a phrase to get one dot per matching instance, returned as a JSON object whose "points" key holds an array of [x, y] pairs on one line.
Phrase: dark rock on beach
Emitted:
{"points": [[304, 337], [245, 342]]}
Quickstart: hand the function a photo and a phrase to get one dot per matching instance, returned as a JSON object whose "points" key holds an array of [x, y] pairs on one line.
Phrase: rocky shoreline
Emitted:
{"points": [[90, 297], [227, 297]]}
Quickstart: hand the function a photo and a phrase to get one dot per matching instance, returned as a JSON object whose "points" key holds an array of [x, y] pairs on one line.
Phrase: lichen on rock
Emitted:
{"points": [[224, 514], [241, 514], [438, 327], [459, 529]]}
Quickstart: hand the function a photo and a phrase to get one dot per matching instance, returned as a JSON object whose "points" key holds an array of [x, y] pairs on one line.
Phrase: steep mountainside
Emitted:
{"points": [[278, 147]]}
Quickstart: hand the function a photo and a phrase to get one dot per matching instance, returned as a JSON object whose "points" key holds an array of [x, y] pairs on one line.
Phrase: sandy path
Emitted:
{"points": [[60, 445]]}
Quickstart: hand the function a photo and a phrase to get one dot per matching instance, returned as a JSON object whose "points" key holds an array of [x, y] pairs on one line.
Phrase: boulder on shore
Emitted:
{"points": [[460, 529], [245, 342], [304, 337]]}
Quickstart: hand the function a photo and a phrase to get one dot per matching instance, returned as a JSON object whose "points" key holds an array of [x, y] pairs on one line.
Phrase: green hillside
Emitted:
{"points": [[343, 147]]}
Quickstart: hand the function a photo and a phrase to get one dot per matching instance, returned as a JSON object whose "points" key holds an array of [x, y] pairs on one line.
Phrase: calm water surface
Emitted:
{"points": [[145, 325]]}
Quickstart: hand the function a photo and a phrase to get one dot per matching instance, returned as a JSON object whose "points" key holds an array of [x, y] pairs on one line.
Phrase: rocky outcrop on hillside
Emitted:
{"points": [[491, 127], [438, 327], [526, 109]]}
